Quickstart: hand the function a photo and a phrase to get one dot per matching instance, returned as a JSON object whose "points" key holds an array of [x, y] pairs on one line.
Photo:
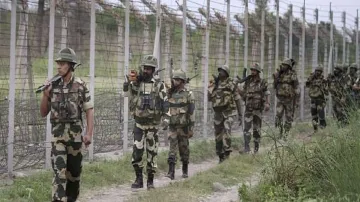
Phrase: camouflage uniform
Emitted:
{"points": [[318, 90], [148, 104], [336, 83], [254, 94], [225, 100], [286, 85], [66, 104], [353, 95], [182, 120]]}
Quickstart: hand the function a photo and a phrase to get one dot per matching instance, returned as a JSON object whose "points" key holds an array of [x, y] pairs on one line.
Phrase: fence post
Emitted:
{"points": [[262, 48], [11, 98], [126, 66], [206, 68], [50, 74], [227, 42], [302, 93], [344, 37], [246, 47], [316, 47], [357, 37], [331, 52], [276, 47], [290, 30], [183, 47]]}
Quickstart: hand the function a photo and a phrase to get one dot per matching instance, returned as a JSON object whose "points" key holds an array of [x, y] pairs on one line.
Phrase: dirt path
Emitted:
{"points": [[124, 192]]}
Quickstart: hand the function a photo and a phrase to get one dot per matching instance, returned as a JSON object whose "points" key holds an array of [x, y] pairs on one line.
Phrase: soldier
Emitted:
{"points": [[286, 85], [181, 107], [255, 93], [353, 94], [318, 90], [336, 83], [148, 104], [65, 99], [225, 101]]}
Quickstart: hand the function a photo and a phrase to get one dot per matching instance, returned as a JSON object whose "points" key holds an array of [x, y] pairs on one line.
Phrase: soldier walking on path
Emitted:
{"points": [[255, 94], [182, 120], [225, 100], [286, 85], [66, 99], [148, 104], [318, 91], [337, 88]]}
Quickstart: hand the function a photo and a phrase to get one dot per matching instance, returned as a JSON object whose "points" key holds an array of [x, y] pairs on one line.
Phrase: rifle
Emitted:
{"points": [[52, 80], [189, 79]]}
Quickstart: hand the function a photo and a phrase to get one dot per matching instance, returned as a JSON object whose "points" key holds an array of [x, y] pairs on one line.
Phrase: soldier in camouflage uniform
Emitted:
{"points": [[337, 88], [318, 90], [286, 85], [182, 120], [225, 100], [353, 94], [255, 93], [65, 99], [148, 104]]}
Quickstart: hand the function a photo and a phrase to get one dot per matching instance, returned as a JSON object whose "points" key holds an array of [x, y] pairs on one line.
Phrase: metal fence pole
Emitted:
{"points": [[330, 61], [206, 68], [12, 77], [183, 49], [316, 49], [262, 51], [246, 44], [344, 37], [227, 43], [302, 93], [50, 74], [276, 47], [126, 66], [357, 37], [92, 66], [290, 30]]}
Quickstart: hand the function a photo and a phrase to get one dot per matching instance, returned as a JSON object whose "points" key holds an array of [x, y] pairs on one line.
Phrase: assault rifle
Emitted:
{"points": [[52, 80]]}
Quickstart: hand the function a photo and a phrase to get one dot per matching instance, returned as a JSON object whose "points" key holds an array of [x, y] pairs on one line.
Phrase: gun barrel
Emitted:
{"points": [[43, 87]]}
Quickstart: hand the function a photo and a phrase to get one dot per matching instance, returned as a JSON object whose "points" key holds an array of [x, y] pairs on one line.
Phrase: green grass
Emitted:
{"points": [[327, 168], [37, 187], [229, 173]]}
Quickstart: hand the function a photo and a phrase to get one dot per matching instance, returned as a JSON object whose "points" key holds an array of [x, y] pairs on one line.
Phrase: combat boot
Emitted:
{"points": [[256, 147], [171, 173], [221, 158], [150, 181], [185, 170], [139, 179]]}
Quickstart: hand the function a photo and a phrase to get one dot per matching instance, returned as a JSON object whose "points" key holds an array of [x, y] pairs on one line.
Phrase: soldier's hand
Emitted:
{"points": [[267, 107], [190, 133], [165, 124], [126, 86], [48, 89], [87, 140]]}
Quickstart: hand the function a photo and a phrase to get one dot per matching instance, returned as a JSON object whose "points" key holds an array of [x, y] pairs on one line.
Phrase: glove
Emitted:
{"points": [[190, 132], [267, 107], [165, 124]]}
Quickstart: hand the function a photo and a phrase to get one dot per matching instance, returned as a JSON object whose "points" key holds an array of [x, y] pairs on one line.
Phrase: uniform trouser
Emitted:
{"points": [[66, 160], [252, 119], [145, 139], [339, 112], [318, 113], [284, 106], [179, 141], [222, 125]]}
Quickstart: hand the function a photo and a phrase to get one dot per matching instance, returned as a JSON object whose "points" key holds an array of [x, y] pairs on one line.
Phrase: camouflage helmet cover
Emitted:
{"points": [[319, 68], [179, 74], [149, 60], [288, 61], [256, 67], [66, 55], [225, 68], [354, 65]]}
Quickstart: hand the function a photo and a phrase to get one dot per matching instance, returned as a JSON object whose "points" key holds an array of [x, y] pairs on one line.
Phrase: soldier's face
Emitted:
{"points": [[254, 72], [148, 71], [63, 68], [222, 73], [177, 82], [283, 67], [353, 71], [318, 73]]}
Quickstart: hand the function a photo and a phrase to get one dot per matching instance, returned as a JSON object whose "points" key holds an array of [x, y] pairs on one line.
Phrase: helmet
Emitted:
{"points": [[338, 66], [256, 67], [66, 55], [354, 65], [319, 68], [225, 68], [345, 67], [149, 60], [179, 74], [288, 61]]}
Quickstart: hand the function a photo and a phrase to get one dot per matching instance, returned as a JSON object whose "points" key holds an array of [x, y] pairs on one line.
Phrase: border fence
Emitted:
{"points": [[110, 38]]}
